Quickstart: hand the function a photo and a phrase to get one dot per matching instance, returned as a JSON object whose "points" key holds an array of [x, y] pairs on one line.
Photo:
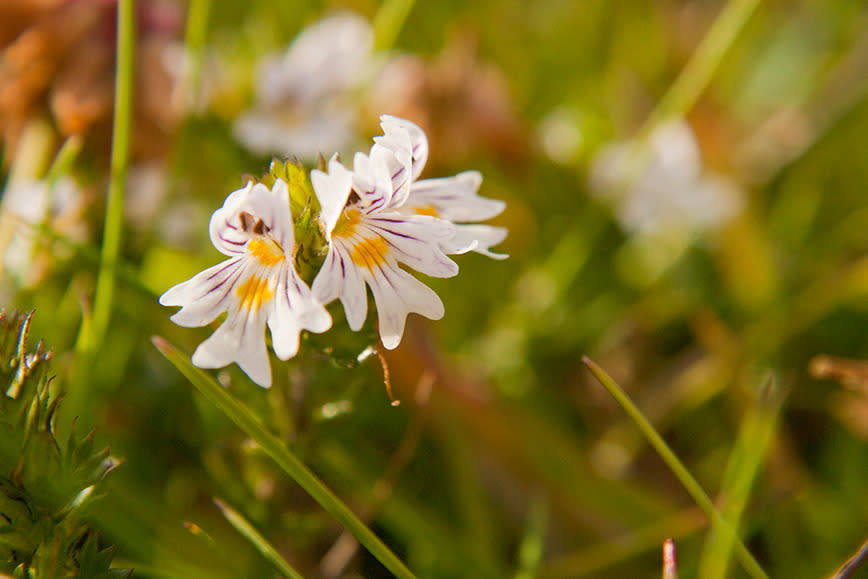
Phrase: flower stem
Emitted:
{"points": [[285, 459], [105, 285], [678, 469]]}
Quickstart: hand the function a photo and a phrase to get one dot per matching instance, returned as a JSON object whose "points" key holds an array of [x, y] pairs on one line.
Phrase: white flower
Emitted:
{"points": [[258, 284], [662, 185], [368, 239], [307, 97], [379, 216], [451, 198]]}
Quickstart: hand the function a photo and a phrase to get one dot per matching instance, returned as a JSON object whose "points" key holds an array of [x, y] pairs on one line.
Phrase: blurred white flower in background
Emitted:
{"points": [[150, 209], [662, 184], [307, 99], [191, 95], [145, 192], [662, 197], [25, 205]]}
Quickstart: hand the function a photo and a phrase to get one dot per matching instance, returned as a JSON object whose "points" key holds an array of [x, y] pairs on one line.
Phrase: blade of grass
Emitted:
{"points": [[111, 243], [678, 469], [286, 460], [746, 459], [257, 540], [63, 161], [530, 552], [194, 42], [687, 88], [407, 514], [388, 22]]}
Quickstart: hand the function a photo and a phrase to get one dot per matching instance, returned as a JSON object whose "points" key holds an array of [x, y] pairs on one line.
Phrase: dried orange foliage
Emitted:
{"points": [[58, 58]]}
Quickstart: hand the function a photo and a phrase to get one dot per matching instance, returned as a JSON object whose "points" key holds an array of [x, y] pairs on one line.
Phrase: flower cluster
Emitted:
{"points": [[374, 218]]}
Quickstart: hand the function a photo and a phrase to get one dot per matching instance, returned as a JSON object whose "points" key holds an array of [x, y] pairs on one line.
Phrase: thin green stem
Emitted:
{"points": [[678, 469], [285, 459], [111, 243], [754, 438], [257, 540], [194, 41], [388, 22], [530, 552], [687, 88], [62, 164]]}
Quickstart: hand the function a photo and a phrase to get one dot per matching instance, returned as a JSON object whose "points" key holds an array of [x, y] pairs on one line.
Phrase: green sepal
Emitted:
{"points": [[44, 487]]}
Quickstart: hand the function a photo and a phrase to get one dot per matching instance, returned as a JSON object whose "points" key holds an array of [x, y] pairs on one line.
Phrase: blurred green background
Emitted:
{"points": [[690, 263]]}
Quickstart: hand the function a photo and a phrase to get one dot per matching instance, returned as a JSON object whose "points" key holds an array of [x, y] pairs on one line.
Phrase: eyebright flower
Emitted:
{"points": [[258, 284], [374, 220], [451, 198], [368, 239]]}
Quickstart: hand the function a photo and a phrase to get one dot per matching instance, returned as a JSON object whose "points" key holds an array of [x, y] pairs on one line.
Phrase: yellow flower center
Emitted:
{"points": [[426, 210], [254, 292], [347, 222], [267, 251], [370, 252]]}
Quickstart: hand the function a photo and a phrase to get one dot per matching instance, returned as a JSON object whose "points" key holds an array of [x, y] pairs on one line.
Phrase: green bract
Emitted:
{"points": [[45, 486]]}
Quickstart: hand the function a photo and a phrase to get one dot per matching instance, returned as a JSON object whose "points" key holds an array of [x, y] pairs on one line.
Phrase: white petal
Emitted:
{"points": [[239, 339], [403, 135], [205, 295], [295, 309], [339, 277], [395, 172], [280, 227], [354, 296], [332, 190], [328, 283], [227, 237], [416, 241], [396, 294], [284, 331], [372, 181], [455, 198], [478, 238], [271, 206]]}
